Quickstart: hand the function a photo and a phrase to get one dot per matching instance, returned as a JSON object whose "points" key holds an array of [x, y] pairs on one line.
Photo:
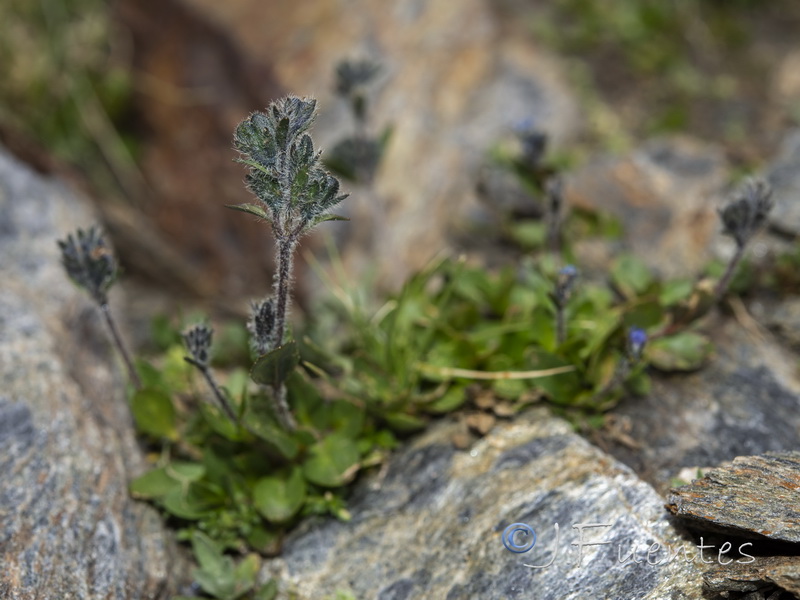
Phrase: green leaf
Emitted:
{"points": [[216, 574], [153, 484], [150, 376], [686, 351], [675, 291], [340, 415], [262, 539], [529, 235], [452, 399], [160, 482], [246, 572], [303, 397], [208, 555], [186, 471], [268, 591], [268, 430], [193, 502], [332, 462], [405, 423], [280, 498], [219, 422], [326, 217], [252, 209], [154, 413], [630, 275], [274, 367]]}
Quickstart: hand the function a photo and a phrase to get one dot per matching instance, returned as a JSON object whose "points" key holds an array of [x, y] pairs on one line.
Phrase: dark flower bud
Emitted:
{"points": [[555, 195], [353, 75], [533, 142], [198, 342], [89, 263], [747, 211], [262, 325], [565, 283]]}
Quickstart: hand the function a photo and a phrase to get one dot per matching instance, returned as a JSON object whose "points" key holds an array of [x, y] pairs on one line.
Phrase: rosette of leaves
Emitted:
{"points": [[285, 173]]}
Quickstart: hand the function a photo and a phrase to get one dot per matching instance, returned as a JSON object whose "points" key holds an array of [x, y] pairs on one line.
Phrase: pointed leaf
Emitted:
{"points": [[253, 209], [405, 423], [268, 430], [274, 367], [153, 484], [322, 218]]}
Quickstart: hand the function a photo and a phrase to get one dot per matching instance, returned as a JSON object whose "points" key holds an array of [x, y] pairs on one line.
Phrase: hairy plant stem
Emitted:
{"points": [[112, 327], [286, 245], [222, 401], [554, 232], [725, 281], [561, 327]]}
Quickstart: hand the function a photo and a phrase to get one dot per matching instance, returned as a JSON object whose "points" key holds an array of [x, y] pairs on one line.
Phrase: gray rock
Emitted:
{"points": [[665, 195], [433, 526], [784, 176], [68, 528], [744, 402]]}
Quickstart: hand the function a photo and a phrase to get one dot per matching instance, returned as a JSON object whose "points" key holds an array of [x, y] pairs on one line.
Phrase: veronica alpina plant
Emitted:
{"points": [[90, 264], [635, 342], [357, 156], [742, 218], [564, 285], [295, 193], [197, 340]]}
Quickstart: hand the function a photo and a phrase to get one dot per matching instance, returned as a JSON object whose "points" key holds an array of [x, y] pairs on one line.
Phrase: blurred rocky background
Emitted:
{"points": [[136, 100]]}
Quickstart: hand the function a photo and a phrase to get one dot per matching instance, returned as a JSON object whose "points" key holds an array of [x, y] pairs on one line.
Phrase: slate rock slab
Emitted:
{"points": [[783, 571], [68, 528], [755, 494], [433, 526]]}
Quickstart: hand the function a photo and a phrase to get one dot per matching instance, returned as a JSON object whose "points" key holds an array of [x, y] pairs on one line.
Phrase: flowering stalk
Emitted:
{"points": [[90, 264], [555, 200], [742, 218], [295, 193], [198, 342], [634, 347], [564, 285]]}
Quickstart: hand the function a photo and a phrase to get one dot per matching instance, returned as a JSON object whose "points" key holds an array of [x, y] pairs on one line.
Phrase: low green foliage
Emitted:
{"points": [[221, 578], [291, 421]]}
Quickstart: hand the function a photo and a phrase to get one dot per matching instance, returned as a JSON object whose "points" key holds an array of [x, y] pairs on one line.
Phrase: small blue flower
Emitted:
{"points": [[637, 338], [564, 284], [568, 271]]}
